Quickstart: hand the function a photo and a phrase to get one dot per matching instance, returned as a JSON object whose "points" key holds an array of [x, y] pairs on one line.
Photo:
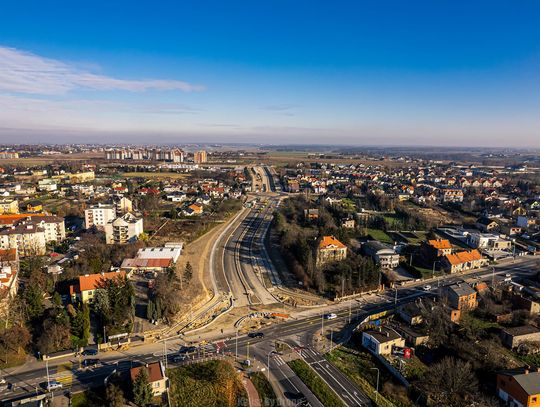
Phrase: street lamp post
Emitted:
{"points": [[433, 272], [377, 388], [268, 364], [236, 346]]}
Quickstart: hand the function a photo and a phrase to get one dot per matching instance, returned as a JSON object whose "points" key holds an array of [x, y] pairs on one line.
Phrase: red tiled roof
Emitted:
{"points": [[440, 243], [11, 219], [153, 369], [327, 241], [150, 263], [463, 257], [91, 281], [8, 254]]}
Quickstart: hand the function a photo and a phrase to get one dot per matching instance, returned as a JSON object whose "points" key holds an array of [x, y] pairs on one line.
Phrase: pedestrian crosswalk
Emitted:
{"points": [[64, 374], [279, 360]]}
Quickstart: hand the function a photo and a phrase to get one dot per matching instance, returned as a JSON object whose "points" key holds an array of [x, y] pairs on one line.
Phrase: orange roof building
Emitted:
{"points": [[465, 260], [10, 220], [330, 242], [436, 248], [440, 244], [330, 249], [90, 282]]}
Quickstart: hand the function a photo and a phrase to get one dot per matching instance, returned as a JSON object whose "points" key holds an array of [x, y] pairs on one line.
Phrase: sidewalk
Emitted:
{"points": [[253, 395]]}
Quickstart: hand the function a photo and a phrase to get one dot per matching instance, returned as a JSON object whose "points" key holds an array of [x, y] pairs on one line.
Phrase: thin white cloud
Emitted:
{"points": [[23, 72]]}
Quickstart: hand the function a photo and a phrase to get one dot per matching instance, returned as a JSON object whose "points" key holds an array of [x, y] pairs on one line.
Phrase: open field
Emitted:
{"points": [[155, 175], [280, 158]]}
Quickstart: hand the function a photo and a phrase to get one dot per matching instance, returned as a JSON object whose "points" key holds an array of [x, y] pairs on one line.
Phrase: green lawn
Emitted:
{"points": [[264, 388], [317, 385], [86, 399], [380, 235]]}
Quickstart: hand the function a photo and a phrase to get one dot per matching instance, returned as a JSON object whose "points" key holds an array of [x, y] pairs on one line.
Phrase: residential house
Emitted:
{"points": [[460, 296], [436, 248], [156, 377], [487, 225], [381, 341], [47, 185], [519, 387], [464, 260], [451, 195], [194, 209], [330, 249], [99, 215], [311, 214], [86, 288], [348, 223], [514, 336], [123, 229], [33, 207], [382, 254]]}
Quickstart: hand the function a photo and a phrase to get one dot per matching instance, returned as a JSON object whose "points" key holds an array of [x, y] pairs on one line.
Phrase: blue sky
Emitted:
{"points": [[346, 72]]}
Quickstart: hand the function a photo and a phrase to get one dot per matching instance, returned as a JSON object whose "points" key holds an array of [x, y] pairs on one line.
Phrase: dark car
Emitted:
{"points": [[179, 358], [89, 352], [187, 349], [256, 335], [90, 362]]}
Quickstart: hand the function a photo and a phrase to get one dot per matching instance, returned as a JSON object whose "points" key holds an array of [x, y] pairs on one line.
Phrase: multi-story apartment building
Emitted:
{"points": [[28, 239], [9, 206], [122, 205], [200, 157], [8, 155], [124, 229], [99, 215]]}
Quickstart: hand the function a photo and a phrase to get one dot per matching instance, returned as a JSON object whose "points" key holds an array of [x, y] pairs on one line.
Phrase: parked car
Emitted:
{"points": [[179, 358], [54, 385], [256, 335], [330, 316], [427, 288], [90, 352]]}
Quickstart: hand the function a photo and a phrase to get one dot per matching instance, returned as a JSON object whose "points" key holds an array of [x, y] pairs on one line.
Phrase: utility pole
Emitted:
{"points": [[247, 351], [268, 365], [166, 355], [47, 368], [331, 339], [395, 299], [350, 312], [410, 261], [322, 324]]}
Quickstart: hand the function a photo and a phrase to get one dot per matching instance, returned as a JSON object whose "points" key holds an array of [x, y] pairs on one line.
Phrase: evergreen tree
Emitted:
{"points": [[142, 392]]}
